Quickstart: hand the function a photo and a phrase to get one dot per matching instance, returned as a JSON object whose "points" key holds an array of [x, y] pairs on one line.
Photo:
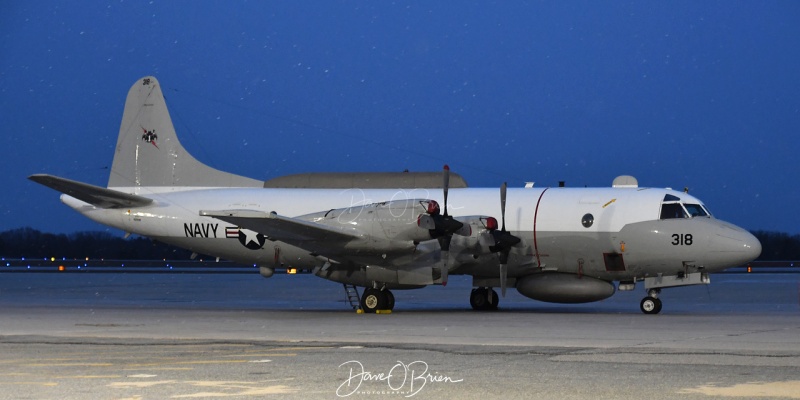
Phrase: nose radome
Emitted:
{"points": [[752, 245], [736, 245]]}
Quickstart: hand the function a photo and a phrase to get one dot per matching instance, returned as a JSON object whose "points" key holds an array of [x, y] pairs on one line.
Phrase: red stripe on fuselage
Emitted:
{"points": [[535, 217]]}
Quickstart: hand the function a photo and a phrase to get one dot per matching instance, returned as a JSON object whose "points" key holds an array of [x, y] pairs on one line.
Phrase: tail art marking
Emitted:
{"points": [[150, 136]]}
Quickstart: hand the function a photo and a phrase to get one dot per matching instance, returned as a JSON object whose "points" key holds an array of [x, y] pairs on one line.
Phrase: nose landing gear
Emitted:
{"points": [[653, 284], [651, 304]]}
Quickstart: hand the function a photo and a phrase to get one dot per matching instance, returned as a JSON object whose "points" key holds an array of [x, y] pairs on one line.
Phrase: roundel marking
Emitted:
{"points": [[251, 240]]}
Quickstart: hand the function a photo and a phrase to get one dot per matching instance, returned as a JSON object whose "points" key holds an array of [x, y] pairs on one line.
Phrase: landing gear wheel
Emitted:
{"points": [[477, 299], [373, 300], [483, 299], [650, 305], [389, 299], [494, 299]]}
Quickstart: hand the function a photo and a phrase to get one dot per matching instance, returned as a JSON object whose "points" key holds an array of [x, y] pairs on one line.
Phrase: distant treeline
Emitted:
{"points": [[28, 242], [778, 246]]}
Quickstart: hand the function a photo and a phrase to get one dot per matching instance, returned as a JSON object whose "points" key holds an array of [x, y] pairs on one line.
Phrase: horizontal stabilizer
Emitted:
{"points": [[284, 229], [94, 195]]}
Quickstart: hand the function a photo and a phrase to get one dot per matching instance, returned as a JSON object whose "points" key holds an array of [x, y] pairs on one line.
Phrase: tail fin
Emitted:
{"points": [[148, 152]]}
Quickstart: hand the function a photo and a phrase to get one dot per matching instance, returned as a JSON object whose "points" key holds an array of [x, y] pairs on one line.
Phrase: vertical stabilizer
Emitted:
{"points": [[148, 153]]}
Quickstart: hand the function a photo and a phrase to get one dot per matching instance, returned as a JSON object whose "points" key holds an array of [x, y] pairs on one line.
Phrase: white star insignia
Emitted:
{"points": [[250, 236]]}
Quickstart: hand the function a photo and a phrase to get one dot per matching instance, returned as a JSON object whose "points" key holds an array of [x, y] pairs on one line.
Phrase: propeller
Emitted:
{"points": [[503, 240], [441, 225]]}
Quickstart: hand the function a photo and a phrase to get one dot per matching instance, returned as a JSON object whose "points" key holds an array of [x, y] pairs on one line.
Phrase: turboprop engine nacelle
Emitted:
{"points": [[554, 287], [395, 220]]}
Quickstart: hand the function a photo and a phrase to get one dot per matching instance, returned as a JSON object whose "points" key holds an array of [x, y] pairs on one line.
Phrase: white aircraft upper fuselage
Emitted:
{"points": [[567, 244]]}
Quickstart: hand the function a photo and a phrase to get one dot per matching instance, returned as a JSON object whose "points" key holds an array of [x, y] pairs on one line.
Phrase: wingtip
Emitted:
{"points": [[37, 177]]}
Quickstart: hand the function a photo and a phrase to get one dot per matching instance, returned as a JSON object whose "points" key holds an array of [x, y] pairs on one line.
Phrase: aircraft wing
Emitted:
{"points": [[304, 234], [94, 195]]}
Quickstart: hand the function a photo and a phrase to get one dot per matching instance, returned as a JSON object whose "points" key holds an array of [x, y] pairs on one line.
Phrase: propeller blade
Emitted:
{"points": [[446, 185], [504, 241], [503, 278], [503, 189]]}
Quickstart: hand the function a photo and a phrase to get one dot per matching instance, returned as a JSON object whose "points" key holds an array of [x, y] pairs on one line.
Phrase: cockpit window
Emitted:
{"points": [[672, 208], [672, 211], [696, 210]]}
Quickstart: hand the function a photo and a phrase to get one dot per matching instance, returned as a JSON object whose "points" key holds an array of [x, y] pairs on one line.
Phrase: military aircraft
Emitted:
{"points": [[387, 231]]}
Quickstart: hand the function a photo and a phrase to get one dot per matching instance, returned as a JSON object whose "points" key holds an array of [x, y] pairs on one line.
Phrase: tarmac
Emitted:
{"points": [[159, 336]]}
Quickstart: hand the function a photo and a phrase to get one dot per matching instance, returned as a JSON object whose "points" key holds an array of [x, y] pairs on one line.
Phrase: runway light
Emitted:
{"points": [[749, 268], [52, 259], [291, 270], [61, 268]]}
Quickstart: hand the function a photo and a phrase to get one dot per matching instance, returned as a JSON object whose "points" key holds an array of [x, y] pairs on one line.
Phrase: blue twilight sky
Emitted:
{"points": [[704, 94]]}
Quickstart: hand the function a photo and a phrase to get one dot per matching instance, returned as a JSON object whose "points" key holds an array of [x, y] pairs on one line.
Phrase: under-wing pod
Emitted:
{"points": [[556, 287]]}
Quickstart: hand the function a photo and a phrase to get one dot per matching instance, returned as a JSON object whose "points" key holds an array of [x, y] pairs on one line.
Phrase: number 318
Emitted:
{"points": [[682, 239]]}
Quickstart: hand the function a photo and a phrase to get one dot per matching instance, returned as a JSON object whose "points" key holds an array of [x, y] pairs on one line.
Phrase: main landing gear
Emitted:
{"points": [[651, 304], [376, 299], [483, 299]]}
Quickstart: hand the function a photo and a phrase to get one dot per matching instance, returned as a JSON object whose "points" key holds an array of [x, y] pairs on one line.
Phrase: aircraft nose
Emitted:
{"points": [[752, 246], [734, 246]]}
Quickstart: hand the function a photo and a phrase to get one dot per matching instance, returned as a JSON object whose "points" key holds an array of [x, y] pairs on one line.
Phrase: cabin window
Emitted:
{"points": [[587, 220]]}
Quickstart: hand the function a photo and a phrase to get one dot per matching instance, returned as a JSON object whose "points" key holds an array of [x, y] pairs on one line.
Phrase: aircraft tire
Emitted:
{"points": [[389, 299], [650, 305], [494, 301], [479, 299], [373, 300]]}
